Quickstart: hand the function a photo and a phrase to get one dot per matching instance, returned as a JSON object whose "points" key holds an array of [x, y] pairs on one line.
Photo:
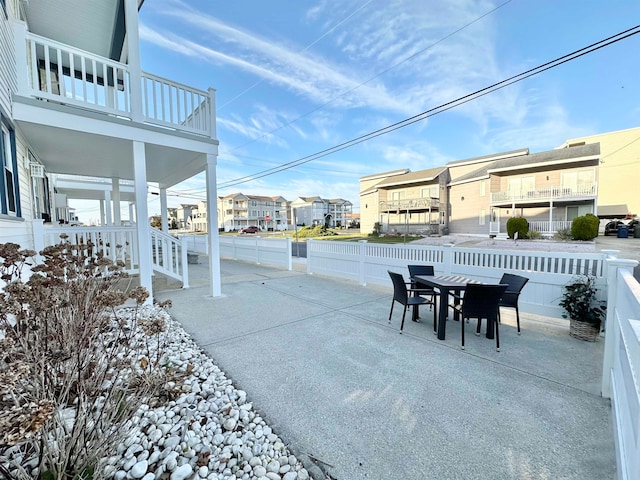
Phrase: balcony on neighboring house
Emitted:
{"points": [[59, 73], [545, 195], [413, 204]]}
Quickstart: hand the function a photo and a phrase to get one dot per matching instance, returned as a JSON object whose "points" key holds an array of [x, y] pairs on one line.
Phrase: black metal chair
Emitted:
{"points": [[510, 298], [425, 270], [482, 301], [407, 297]]}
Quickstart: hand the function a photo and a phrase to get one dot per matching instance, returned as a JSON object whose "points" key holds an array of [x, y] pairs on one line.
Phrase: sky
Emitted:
{"points": [[294, 78]]}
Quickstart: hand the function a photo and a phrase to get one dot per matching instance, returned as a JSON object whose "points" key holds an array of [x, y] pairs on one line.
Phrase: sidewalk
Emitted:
{"points": [[338, 383]]}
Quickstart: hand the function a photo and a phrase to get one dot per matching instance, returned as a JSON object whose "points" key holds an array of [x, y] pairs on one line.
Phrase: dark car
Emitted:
{"points": [[611, 228], [250, 230], [633, 224]]}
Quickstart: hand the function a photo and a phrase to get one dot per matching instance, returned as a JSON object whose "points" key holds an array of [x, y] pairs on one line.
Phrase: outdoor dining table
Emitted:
{"points": [[446, 284]]}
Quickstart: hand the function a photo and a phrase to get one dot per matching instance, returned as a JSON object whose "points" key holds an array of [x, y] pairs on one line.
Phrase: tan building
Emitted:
{"points": [[619, 171], [477, 196]]}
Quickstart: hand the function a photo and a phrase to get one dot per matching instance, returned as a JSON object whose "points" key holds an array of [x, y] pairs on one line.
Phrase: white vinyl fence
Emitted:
{"points": [[621, 369], [547, 272], [254, 248]]}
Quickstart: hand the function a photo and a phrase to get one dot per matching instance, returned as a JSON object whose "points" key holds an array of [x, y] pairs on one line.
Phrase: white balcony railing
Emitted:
{"points": [[407, 204], [64, 74], [546, 194], [549, 227]]}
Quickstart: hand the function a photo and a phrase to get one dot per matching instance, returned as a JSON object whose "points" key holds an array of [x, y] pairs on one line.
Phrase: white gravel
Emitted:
{"points": [[209, 431], [495, 243]]}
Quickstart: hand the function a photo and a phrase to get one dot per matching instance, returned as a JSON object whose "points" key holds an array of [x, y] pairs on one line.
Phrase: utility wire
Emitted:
{"points": [[301, 51], [440, 108], [413, 55]]}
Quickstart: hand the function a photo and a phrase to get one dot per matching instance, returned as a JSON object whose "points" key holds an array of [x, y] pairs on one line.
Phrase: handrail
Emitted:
{"points": [[169, 256]]}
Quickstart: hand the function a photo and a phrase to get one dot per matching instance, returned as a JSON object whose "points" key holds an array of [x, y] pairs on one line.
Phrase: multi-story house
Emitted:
{"points": [[618, 172], [74, 100], [183, 215], [237, 210], [319, 211], [478, 195]]}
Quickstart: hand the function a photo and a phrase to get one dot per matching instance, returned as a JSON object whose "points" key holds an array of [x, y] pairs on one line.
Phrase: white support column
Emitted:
{"points": [[212, 228], [133, 56], [103, 220], [551, 216], [142, 216], [115, 187], [212, 113], [107, 207], [132, 217], [22, 63], [163, 209]]}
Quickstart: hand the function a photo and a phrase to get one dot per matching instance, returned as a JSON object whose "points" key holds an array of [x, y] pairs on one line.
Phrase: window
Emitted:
{"points": [[483, 189], [581, 181], [519, 187], [483, 217], [429, 192], [8, 187]]}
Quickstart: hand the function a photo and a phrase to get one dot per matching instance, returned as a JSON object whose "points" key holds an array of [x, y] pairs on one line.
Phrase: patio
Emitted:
{"points": [[337, 382]]}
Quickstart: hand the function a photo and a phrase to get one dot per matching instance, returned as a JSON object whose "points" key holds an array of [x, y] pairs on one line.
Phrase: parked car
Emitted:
{"points": [[611, 228], [252, 229], [633, 224]]}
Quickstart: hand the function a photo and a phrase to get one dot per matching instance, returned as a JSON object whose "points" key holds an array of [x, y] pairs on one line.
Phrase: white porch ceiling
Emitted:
{"points": [[86, 24], [80, 153]]}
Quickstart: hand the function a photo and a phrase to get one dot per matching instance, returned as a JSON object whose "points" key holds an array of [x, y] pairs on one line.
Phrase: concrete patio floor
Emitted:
{"points": [[320, 362]]}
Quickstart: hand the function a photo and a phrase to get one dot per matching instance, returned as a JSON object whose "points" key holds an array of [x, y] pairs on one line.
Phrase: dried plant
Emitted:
{"points": [[70, 368]]}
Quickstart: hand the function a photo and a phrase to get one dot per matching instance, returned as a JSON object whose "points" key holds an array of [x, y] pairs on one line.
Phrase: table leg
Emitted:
{"points": [[442, 312]]}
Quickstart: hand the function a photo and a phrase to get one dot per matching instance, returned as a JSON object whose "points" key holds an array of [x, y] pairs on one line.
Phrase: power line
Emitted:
{"points": [[413, 55], [440, 108], [301, 51]]}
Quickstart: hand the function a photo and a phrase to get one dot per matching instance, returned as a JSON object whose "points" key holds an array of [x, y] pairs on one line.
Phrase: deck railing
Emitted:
{"points": [[115, 243], [169, 256], [545, 194], [65, 74]]}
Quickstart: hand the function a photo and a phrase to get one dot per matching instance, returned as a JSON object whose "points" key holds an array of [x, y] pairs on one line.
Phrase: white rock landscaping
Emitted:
{"points": [[208, 431]]}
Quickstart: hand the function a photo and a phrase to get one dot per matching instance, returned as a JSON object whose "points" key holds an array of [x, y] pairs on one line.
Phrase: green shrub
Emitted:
{"points": [[517, 224], [376, 230], [534, 235], [317, 231], [584, 228]]}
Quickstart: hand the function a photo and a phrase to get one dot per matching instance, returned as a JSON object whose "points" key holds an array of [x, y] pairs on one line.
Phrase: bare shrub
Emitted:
{"points": [[74, 368]]}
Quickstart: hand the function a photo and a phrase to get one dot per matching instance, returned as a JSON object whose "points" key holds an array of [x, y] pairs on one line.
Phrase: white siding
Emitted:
{"points": [[24, 178], [7, 58], [16, 231]]}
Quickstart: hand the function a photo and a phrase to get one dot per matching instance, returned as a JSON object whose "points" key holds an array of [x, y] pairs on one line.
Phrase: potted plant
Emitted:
{"points": [[584, 310]]}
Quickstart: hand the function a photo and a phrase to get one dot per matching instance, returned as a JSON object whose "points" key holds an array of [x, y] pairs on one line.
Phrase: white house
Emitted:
{"points": [[334, 212], [75, 101]]}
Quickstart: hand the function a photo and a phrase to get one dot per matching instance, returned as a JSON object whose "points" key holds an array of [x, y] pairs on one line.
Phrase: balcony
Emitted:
{"points": [[545, 195], [60, 73], [414, 204]]}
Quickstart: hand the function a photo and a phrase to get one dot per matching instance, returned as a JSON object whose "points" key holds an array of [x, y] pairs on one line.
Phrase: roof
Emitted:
{"points": [[385, 174], [486, 158], [550, 158], [412, 177]]}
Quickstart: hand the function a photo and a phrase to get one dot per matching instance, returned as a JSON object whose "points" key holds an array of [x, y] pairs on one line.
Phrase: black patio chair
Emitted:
{"points": [[407, 297], [510, 298], [426, 270], [482, 301]]}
